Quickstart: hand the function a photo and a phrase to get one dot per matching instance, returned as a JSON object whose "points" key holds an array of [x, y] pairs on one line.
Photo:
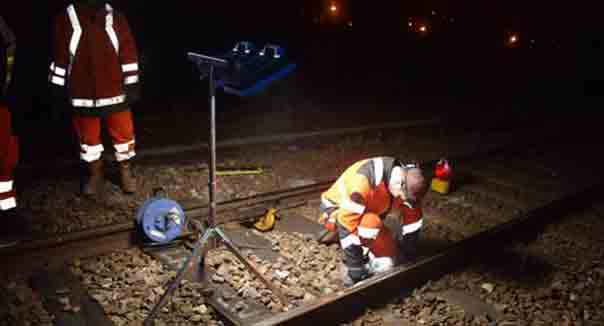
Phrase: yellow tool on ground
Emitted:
{"points": [[267, 222], [239, 171]]}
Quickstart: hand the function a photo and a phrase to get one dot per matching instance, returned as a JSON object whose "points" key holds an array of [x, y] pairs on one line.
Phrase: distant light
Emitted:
{"points": [[513, 39], [433, 12], [350, 23], [410, 23], [423, 28], [333, 7]]}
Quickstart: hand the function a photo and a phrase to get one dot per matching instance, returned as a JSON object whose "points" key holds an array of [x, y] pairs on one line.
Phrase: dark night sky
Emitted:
{"points": [[185, 20], [166, 29]]}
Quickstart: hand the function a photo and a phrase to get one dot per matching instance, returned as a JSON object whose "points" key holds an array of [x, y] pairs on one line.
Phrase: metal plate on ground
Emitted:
{"points": [[239, 311], [64, 297], [296, 223], [222, 296], [470, 304], [249, 240], [173, 257]]}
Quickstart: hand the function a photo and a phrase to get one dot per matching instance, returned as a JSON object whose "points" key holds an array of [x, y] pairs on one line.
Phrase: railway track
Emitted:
{"points": [[95, 242], [54, 249], [336, 308], [523, 226]]}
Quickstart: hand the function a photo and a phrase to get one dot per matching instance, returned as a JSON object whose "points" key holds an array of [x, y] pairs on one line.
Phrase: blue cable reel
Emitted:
{"points": [[160, 219]]}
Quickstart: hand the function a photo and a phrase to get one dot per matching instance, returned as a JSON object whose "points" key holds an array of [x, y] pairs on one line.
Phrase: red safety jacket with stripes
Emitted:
{"points": [[363, 188], [7, 58], [94, 57]]}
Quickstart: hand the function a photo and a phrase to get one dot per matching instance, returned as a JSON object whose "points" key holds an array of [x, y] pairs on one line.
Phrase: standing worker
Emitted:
{"points": [[94, 75], [13, 225], [355, 205]]}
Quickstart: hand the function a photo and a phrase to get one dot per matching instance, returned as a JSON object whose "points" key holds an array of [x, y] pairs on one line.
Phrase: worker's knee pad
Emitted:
{"points": [[371, 220]]}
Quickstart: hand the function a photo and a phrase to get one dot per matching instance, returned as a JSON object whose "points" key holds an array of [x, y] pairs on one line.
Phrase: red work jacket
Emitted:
{"points": [[94, 57]]}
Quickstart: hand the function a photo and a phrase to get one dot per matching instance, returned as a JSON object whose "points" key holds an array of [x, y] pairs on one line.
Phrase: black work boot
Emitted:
{"points": [[127, 180], [95, 179]]}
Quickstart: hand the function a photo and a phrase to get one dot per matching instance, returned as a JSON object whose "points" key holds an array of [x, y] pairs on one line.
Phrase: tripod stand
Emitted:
{"points": [[212, 230]]}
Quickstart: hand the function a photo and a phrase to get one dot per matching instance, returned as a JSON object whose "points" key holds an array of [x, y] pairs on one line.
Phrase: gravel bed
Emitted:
{"points": [[128, 283], [20, 305], [560, 283], [55, 207]]}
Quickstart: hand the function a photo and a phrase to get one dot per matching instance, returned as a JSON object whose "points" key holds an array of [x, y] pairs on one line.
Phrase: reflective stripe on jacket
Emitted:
{"points": [[362, 188], [94, 56]]}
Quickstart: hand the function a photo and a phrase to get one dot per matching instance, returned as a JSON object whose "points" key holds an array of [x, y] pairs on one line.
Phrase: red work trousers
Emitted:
{"points": [[9, 155], [120, 128]]}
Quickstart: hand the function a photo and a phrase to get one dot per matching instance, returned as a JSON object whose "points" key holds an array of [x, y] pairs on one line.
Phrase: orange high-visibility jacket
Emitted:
{"points": [[94, 57], [363, 188], [7, 52]]}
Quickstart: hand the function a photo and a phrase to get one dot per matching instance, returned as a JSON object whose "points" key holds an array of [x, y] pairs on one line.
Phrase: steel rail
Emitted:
{"points": [[339, 307], [75, 244], [153, 152]]}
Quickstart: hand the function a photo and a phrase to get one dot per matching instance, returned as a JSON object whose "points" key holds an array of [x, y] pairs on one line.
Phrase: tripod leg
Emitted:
{"points": [[181, 273], [249, 265]]}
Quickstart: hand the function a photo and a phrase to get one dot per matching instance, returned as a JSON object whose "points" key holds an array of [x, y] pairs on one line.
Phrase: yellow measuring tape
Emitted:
{"points": [[233, 172], [10, 62]]}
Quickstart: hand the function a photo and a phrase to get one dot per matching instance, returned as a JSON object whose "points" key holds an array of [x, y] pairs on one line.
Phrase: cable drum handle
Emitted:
{"points": [[157, 191]]}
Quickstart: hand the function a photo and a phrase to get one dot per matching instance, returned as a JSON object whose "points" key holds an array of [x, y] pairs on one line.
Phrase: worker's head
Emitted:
{"points": [[408, 183]]}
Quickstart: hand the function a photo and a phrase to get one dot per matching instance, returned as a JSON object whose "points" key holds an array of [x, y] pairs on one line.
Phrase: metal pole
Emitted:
{"points": [[211, 229], [212, 185], [207, 236]]}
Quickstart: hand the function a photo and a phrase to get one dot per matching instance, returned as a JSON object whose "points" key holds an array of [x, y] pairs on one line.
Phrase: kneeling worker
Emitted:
{"points": [[355, 205]]}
